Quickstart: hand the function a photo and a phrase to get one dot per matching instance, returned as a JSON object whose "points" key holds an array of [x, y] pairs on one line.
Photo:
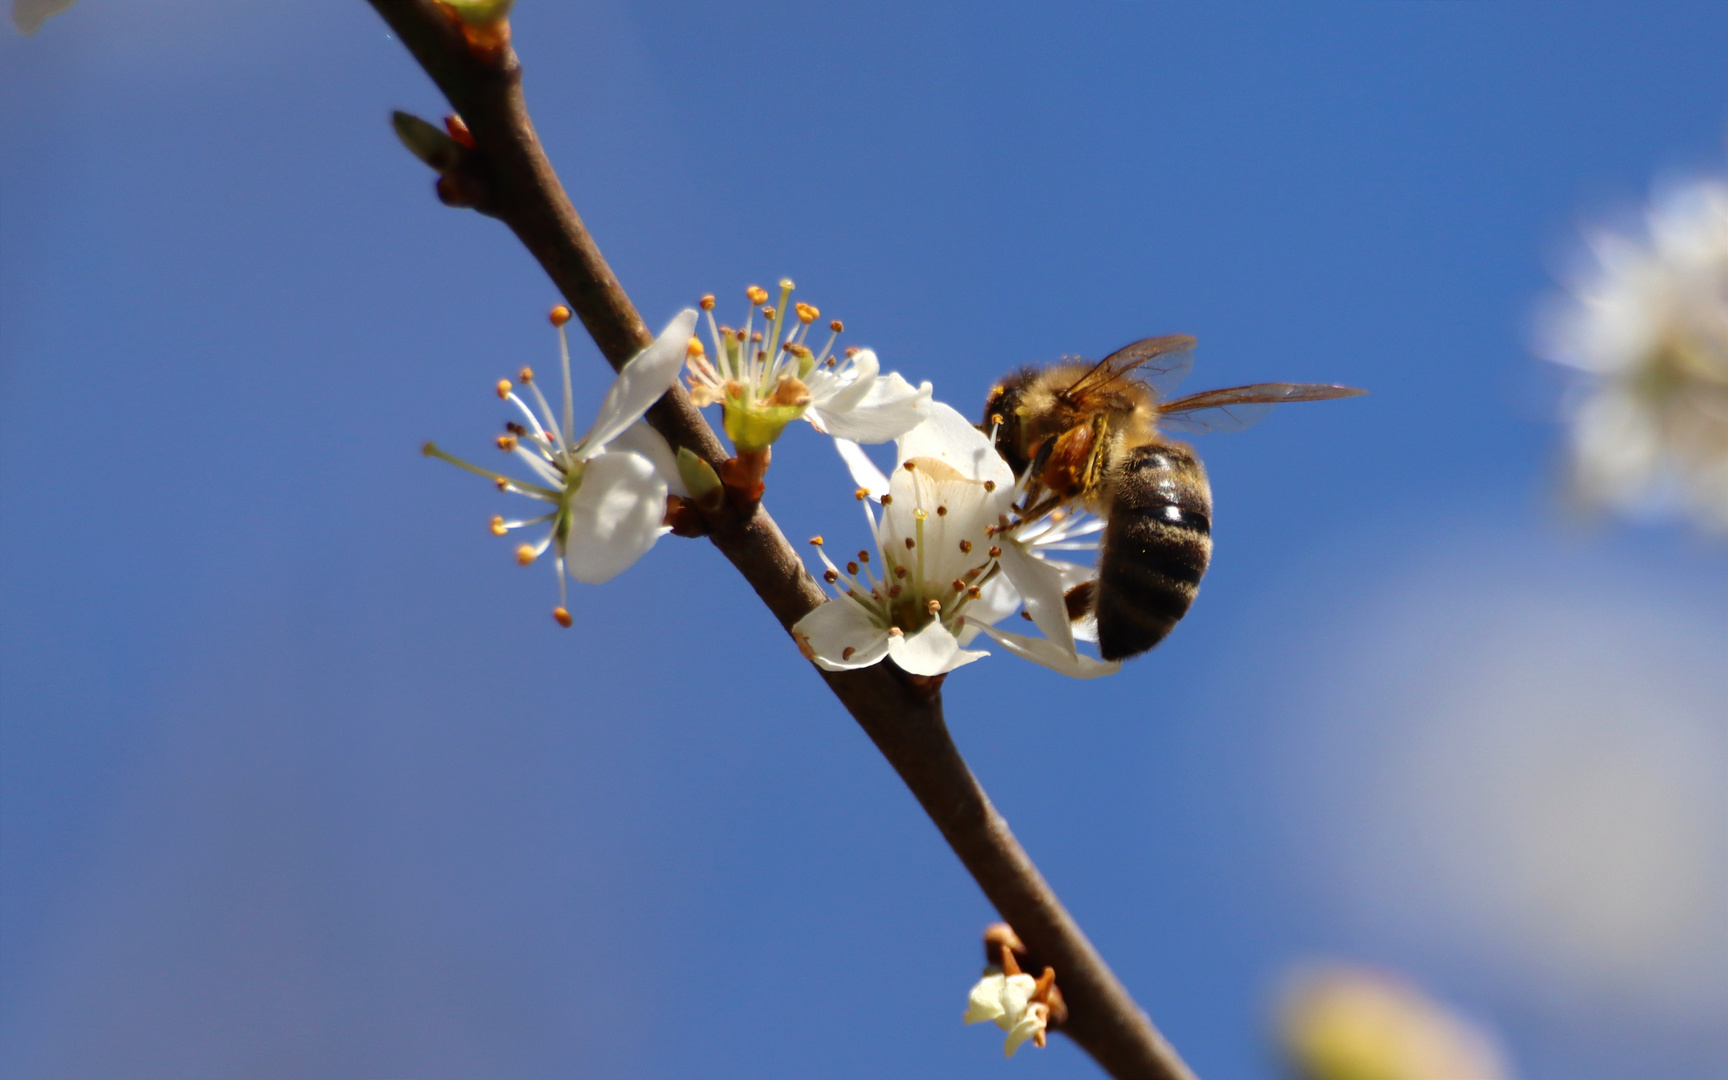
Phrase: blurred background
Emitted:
{"points": [[298, 779]]}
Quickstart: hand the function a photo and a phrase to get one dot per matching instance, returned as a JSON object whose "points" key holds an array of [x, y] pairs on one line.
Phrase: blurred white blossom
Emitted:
{"points": [[1647, 322], [29, 15], [1345, 1023]]}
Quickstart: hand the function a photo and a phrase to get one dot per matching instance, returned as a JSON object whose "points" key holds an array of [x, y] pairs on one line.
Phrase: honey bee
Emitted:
{"points": [[1094, 434]]}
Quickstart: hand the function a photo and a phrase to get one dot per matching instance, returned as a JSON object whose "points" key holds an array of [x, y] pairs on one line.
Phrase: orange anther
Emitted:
{"points": [[559, 315], [563, 617]]}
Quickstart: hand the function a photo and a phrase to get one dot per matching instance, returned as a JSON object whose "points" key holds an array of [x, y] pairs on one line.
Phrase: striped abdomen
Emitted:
{"points": [[1157, 541]]}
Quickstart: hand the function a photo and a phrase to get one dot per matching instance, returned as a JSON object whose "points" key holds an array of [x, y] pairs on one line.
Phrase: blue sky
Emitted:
{"points": [[298, 779]]}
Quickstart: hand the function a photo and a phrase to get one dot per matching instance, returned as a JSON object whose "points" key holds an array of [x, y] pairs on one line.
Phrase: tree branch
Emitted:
{"points": [[517, 185]]}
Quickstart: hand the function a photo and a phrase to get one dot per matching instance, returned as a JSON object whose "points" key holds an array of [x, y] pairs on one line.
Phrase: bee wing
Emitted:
{"points": [[1238, 407], [1160, 362]]}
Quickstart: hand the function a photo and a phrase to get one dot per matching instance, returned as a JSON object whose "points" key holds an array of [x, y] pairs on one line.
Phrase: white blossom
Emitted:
{"points": [[1647, 323], [766, 378], [29, 15], [1007, 1000], [607, 490], [949, 495]]}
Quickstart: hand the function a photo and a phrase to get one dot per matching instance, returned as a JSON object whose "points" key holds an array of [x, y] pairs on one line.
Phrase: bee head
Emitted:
{"points": [[1002, 420]]}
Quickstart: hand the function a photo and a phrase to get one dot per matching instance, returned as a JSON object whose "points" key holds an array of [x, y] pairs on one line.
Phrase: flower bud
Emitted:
{"points": [[426, 141], [701, 479]]}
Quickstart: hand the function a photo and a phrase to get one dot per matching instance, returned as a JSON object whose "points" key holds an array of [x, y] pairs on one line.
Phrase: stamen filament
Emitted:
{"points": [[432, 450]]}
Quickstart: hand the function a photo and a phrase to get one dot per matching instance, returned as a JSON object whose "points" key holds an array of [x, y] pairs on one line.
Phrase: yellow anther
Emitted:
{"points": [[707, 302], [559, 315], [525, 554], [816, 540], [861, 494], [503, 484], [526, 375], [563, 617], [506, 443], [836, 326], [756, 294], [498, 528], [806, 313], [695, 348], [503, 388]]}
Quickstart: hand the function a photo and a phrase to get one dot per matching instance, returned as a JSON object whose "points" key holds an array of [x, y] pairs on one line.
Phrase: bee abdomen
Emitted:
{"points": [[1157, 543]]}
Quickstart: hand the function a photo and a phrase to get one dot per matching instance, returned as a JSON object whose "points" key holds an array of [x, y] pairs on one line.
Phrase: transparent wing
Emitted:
{"points": [[1238, 407], [1160, 362]]}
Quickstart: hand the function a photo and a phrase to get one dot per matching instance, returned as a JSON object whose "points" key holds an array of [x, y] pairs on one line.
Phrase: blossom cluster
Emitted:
{"points": [[1646, 324], [947, 556]]}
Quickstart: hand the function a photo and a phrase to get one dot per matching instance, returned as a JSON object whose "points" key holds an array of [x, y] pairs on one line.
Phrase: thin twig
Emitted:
{"points": [[518, 186]]}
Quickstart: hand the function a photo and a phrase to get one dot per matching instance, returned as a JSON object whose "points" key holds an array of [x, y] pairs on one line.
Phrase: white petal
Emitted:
{"points": [[931, 651], [616, 516], [985, 1001], [1075, 665], [891, 407], [825, 634], [997, 599], [639, 438], [1040, 587], [639, 385], [947, 435], [864, 471], [1031, 1023], [844, 393], [1016, 993]]}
